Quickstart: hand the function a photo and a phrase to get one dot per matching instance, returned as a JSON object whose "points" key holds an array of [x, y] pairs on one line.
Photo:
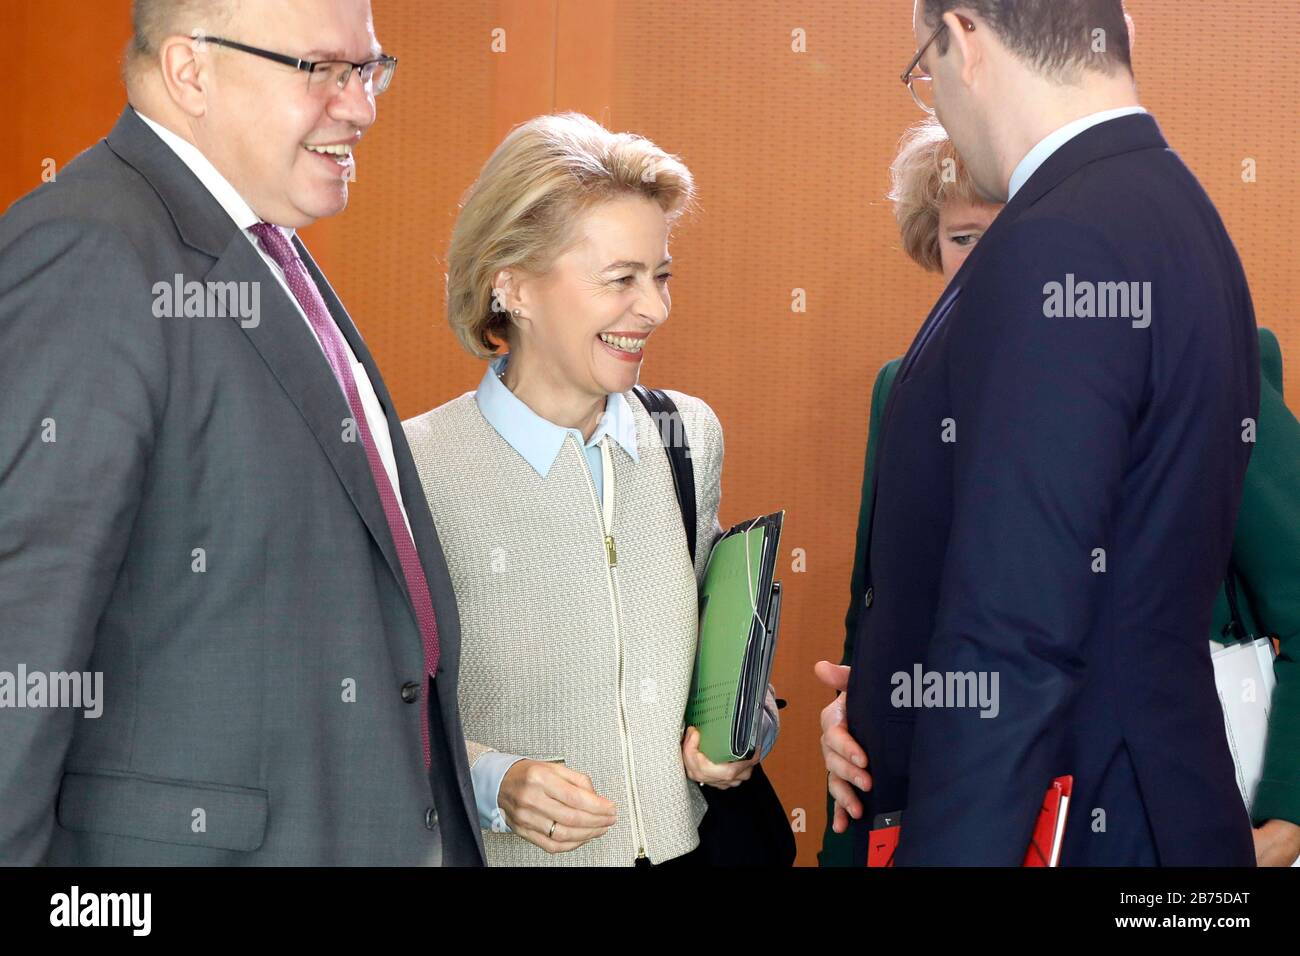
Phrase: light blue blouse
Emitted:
{"points": [[539, 441]]}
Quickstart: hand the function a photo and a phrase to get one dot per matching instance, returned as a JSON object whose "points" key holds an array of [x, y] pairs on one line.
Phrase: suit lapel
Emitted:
{"points": [[417, 512], [1112, 138], [936, 318], [294, 357], [281, 337], [423, 530], [410, 486], [344, 323], [199, 218]]}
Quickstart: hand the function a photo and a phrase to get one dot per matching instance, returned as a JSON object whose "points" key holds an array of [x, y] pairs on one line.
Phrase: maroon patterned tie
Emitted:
{"points": [[336, 351]]}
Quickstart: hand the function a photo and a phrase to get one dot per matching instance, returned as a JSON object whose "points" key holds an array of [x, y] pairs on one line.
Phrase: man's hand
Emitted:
{"points": [[846, 762], [1277, 843], [553, 807], [701, 769]]}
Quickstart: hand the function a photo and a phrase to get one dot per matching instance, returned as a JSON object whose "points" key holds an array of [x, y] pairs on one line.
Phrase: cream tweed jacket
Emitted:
{"points": [[562, 655]]}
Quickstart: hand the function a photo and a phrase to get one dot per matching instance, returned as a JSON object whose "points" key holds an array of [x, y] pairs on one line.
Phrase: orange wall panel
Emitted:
{"points": [[790, 150]]}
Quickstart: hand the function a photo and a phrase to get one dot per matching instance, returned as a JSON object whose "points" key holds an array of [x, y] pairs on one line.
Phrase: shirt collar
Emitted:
{"points": [[1054, 141], [537, 440], [212, 180]]}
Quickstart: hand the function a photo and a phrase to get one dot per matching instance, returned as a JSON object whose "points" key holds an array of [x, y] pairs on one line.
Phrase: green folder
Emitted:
{"points": [[740, 609]]}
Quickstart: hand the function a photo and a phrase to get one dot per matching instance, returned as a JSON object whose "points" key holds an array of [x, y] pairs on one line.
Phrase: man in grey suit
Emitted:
{"points": [[208, 502]]}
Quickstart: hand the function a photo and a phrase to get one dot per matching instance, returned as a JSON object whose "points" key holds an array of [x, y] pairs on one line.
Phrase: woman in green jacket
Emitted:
{"points": [[940, 219]]}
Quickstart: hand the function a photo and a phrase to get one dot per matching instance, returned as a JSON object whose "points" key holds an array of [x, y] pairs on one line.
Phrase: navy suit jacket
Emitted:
{"points": [[1054, 507]]}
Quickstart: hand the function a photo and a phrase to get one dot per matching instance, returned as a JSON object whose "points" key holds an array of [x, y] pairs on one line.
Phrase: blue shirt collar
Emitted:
{"points": [[537, 440], [1054, 141]]}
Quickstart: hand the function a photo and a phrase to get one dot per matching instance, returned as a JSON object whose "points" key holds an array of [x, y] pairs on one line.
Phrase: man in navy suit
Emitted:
{"points": [[1060, 466]]}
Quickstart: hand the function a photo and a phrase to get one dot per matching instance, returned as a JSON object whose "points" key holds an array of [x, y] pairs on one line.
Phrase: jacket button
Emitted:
{"points": [[410, 692], [430, 818], [871, 596]]}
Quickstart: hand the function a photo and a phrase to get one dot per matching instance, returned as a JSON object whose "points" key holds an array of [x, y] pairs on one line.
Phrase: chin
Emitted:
{"points": [[612, 374], [321, 202], [621, 382], [329, 206]]}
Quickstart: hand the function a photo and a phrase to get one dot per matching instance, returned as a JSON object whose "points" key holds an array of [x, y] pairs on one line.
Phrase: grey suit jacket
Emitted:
{"points": [[182, 512]]}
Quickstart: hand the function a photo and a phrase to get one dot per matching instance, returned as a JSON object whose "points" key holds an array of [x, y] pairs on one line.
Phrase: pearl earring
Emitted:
{"points": [[516, 312]]}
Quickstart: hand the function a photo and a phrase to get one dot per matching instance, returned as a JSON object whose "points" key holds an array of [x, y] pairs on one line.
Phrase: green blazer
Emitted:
{"points": [[1265, 548]]}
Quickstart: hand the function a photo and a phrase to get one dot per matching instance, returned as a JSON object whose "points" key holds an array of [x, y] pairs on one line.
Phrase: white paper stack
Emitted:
{"points": [[1243, 675]]}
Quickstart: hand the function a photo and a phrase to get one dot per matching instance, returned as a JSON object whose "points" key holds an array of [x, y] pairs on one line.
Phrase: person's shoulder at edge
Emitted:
{"points": [[427, 425], [884, 382], [1270, 358], [879, 399], [97, 184]]}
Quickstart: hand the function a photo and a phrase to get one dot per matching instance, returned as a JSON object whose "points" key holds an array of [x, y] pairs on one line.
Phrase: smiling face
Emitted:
{"points": [[588, 321], [264, 126], [961, 225]]}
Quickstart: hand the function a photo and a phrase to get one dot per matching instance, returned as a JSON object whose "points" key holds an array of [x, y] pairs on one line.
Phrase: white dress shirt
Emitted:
{"points": [[244, 217], [1054, 141]]}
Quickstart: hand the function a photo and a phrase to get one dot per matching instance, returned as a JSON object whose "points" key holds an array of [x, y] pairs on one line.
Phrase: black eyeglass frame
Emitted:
{"points": [[309, 66]]}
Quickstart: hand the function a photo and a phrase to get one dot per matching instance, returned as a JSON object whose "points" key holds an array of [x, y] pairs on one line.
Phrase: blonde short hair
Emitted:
{"points": [[522, 210], [926, 174]]}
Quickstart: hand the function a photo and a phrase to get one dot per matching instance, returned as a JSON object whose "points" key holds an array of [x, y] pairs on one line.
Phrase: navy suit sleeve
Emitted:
{"points": [[1042, 412]]}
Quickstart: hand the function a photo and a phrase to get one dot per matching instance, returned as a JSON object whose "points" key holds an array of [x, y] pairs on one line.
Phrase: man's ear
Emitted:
{"points": [[184, 73], [1132, 32], [966, 45]]}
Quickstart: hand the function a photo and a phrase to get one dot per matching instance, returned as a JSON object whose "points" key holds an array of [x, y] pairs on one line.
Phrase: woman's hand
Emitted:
{"points": [[1277, 843], [553, 807], [703, 770]]}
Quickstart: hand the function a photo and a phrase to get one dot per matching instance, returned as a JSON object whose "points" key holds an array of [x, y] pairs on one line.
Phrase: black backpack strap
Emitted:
{"points": [[672, 434], [747, 825]]}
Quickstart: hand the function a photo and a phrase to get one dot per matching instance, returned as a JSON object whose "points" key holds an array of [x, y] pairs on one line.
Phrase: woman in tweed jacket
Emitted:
{"points": [[555, 506]]}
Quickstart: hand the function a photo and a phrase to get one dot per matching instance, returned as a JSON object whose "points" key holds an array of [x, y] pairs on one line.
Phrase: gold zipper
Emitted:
{"points": [[606, 510]]}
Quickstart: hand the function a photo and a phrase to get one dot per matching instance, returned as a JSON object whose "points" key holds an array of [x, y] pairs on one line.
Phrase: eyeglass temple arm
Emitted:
{"points": [[305, 65]]}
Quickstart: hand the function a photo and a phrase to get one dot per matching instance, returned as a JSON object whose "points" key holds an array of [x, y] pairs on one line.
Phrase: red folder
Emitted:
{"points": [[1044, 846]]}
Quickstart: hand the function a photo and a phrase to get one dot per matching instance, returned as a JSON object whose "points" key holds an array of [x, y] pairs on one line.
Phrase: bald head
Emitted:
{"points": [[155, 20], [281, 136]]}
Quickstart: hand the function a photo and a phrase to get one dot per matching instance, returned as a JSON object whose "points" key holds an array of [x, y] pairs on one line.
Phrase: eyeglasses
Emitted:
{"points": [[921, 85], [323, 76]]}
